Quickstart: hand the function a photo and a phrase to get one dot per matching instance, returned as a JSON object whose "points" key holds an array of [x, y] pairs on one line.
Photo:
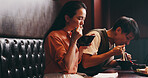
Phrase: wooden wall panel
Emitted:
{"points": [[97, 14], [32, 18], [27, 18]]}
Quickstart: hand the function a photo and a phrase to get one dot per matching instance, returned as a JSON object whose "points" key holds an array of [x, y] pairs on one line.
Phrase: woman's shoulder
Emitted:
{"points": [[56, 33]]}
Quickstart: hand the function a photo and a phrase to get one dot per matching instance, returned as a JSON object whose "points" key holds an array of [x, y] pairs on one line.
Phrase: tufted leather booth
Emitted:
{"points": [[21, 58]]}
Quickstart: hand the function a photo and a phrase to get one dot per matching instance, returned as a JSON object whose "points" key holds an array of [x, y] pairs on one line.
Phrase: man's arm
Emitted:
{"points": [[93, 60]]}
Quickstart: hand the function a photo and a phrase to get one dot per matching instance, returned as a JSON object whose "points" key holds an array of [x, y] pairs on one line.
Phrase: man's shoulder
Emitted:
{"points": [[99, 30]]}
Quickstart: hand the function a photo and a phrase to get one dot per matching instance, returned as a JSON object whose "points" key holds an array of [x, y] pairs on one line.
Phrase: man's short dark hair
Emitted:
{"points": [[127, 25]]}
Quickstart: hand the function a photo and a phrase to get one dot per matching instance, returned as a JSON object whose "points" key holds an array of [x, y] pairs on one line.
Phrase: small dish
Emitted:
{"points": [[141, 72], [138, 66]]}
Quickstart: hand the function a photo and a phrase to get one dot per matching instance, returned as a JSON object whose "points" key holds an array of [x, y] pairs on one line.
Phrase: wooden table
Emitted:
{"points": [[125, 73], [122, 73]]}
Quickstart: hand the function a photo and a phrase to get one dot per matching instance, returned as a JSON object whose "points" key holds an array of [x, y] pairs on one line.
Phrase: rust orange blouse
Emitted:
{"points": [[55, 46]]}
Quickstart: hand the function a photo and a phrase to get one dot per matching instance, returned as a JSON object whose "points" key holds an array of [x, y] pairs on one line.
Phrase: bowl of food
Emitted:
{"points": [[85, 40], [125, 65]]}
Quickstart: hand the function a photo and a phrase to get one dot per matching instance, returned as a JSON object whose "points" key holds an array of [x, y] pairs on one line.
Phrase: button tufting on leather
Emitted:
{"points": [[21, 58]]}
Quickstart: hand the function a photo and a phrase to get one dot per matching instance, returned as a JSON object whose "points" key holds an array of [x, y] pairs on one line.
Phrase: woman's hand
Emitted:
{"points": [[76, 33]]}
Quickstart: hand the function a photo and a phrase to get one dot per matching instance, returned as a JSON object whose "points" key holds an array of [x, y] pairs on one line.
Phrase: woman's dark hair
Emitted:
{"points": [[69, 9], [127, 25]]}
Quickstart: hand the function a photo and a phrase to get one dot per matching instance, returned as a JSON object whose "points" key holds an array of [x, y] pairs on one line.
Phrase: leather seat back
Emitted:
{"points": [[21, 58]]}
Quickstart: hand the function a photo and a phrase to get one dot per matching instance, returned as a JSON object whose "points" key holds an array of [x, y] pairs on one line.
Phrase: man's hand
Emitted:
{"points": [[129, 57], [118, 50]]}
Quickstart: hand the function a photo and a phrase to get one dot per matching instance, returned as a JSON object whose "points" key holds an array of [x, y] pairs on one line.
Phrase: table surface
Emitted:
{"points": [[124, 73]]}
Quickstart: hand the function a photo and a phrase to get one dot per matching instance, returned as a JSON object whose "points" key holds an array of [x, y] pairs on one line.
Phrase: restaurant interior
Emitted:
{"points": [[30, 19]]}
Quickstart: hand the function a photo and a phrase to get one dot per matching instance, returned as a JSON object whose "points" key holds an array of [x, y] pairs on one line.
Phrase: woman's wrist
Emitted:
{"points": [[72, 41]]}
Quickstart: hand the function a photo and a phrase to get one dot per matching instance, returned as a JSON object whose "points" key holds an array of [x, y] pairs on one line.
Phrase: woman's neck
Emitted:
{"points": [[67, 29]]}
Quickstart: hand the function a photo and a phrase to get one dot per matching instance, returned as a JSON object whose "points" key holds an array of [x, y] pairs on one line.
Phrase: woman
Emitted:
{"points": [[61, 52]]}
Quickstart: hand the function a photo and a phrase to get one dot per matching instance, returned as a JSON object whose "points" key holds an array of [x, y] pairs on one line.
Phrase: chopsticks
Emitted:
{"points": [[124, 56], [130, 60]]}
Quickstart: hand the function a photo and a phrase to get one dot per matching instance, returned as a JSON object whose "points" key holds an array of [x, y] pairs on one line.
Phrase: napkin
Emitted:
{"points": [[106, 75]]}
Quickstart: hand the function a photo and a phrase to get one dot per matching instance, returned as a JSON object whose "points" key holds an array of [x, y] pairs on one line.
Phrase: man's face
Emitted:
{"points": [[123, 38]]}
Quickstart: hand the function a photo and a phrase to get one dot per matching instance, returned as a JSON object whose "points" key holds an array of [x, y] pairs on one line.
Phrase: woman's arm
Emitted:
{"points": [[72, 55]]}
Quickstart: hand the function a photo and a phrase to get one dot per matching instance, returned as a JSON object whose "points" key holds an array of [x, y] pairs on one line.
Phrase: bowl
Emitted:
{"points": [[85, 40], [125, 65]]}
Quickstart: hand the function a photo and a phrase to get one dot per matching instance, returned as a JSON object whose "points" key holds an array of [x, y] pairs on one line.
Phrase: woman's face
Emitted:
{"points": [[77, 20]]}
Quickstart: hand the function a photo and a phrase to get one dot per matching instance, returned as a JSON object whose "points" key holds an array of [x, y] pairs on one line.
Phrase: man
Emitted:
{"points": [[107, 44]]}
